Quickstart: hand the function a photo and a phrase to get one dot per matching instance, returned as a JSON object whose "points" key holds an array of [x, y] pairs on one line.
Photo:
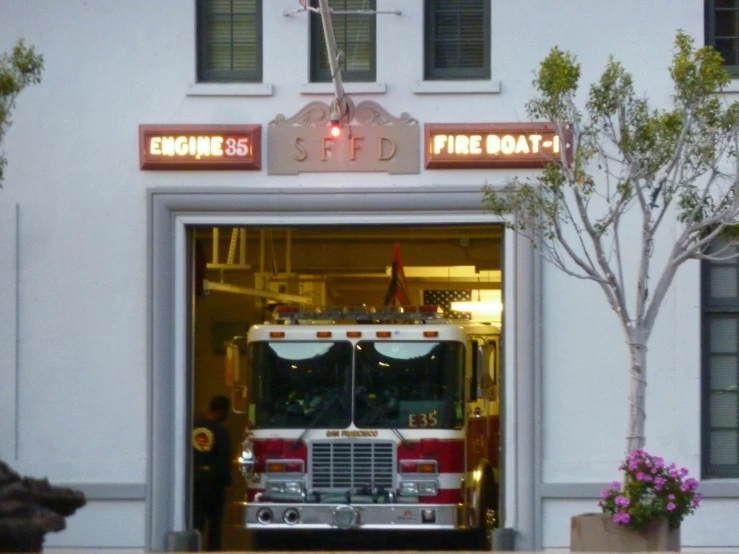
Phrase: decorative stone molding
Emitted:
{"points": [[367, 112], [372, 139]]}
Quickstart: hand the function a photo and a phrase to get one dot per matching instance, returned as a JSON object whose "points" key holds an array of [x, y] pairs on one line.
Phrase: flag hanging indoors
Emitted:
{"points": [[398, 288], [444, 298]]}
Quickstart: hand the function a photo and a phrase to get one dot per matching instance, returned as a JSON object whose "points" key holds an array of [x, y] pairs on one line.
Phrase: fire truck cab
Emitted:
{"points": [[368, 419]]}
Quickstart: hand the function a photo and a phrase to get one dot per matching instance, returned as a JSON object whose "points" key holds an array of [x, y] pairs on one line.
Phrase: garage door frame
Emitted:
{"points": [[171, 211]]}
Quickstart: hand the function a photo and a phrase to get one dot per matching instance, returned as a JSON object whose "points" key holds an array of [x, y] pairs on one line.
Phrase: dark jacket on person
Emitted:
{"points": [[212, 451]]}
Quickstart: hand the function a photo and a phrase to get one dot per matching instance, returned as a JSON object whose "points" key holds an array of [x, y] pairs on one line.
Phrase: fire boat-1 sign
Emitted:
{"points": [[494, 145]]}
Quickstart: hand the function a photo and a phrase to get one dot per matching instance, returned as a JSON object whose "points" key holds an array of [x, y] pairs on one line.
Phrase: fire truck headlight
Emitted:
{"points": [[290, 487], [428, 488], [419, 488], [409, 488]]}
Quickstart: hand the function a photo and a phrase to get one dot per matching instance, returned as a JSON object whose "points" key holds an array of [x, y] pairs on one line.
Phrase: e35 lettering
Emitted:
{"points": [[430, 419]]}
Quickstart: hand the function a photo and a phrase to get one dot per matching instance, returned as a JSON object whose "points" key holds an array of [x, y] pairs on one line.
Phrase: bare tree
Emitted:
{"points": [[20, 68], [631, 166]]}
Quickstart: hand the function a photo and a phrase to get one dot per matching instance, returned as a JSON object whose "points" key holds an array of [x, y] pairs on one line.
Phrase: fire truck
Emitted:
{"points": [[383, 419]]}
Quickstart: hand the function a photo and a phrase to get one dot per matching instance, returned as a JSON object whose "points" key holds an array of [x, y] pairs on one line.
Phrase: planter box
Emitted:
{"points": [[598, 533]]}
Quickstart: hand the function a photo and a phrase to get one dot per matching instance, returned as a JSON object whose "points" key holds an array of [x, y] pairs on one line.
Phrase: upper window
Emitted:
{"points": [[721, 366], [229, 40], [722, 31], [355, 41], [457, 39]]}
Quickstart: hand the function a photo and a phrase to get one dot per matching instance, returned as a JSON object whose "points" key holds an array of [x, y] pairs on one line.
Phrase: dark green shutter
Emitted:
{"points": [[457, 39], [230, 40], [721, 366], [722, 31], [355, 37]]}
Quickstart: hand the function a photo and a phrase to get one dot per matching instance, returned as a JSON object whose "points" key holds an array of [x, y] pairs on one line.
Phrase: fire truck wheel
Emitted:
{"points": [[483, 535]]}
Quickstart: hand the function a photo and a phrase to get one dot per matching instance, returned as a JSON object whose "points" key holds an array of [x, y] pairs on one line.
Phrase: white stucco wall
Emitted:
{"points": [[74, 397]]}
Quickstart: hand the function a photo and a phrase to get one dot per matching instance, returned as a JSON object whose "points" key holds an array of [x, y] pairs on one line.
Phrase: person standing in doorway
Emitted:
{"points": [[212, 471]]}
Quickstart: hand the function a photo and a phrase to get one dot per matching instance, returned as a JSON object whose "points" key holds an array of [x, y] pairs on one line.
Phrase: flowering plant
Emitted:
{"points": [[651, 491]]}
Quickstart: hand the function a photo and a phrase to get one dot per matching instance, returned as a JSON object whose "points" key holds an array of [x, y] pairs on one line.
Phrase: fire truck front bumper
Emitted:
{"points": [[272, 515]]}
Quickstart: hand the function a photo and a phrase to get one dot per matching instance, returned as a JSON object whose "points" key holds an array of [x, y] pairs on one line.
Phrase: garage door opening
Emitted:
{"points": [[241, 275]]}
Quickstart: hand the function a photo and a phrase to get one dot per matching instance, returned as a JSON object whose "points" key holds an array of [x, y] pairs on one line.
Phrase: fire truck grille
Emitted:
{"points": [[352, 465]]}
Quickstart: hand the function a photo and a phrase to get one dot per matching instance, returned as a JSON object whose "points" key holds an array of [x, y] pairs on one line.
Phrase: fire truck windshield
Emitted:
{"points": [[397, 385], [299, 384], [405, 385]]}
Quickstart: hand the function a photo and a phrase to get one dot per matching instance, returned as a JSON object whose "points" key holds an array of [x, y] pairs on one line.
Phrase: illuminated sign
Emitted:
{"points": [[200, 146], [492, 145]]}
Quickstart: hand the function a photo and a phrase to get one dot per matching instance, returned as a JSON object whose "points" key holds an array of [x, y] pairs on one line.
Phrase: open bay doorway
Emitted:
{"points": [[241, 274]]}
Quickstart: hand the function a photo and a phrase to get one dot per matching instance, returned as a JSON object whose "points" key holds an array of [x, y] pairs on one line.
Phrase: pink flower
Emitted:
{"points": [[621, 517], [670, 493]]}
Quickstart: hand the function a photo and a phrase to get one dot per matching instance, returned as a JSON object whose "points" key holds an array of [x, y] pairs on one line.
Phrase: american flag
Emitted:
{"points": [[444, 299]]}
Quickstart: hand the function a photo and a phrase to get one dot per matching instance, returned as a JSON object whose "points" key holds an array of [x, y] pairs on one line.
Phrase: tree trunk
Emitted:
{"points": [[637, 392]]}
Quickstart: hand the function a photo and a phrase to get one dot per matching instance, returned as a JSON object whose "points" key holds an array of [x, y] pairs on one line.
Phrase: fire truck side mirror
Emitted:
{"points": [[233, 371], [236, 375], [491, 371], [238, 399], [478, 367], [481, 372]]}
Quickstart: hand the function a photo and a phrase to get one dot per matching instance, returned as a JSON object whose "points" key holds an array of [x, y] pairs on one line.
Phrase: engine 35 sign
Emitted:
{"points": [[493, 145], [200, 146]]}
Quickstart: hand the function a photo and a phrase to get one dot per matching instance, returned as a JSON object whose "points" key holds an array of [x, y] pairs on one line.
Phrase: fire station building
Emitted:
{"points": [[175, 177]]}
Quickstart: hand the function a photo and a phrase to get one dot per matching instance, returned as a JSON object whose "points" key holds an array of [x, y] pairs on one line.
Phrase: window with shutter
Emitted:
{"points": [[355, 40], [229, 40], [457, 39], [722, 31], [721, 365]]}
